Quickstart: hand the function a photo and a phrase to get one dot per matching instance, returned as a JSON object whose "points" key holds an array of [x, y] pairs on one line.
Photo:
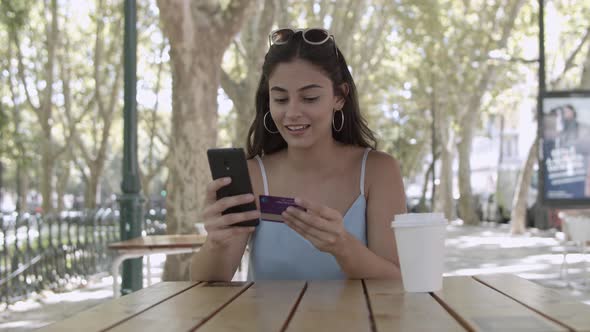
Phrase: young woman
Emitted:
{"points": [[308, 141]]}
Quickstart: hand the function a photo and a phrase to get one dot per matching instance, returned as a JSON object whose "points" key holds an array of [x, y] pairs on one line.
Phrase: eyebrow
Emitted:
{"points": [[307, 87]]}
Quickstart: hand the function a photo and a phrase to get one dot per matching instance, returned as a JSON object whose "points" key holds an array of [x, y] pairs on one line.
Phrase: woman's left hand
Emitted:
{"points": [[320, 225]]}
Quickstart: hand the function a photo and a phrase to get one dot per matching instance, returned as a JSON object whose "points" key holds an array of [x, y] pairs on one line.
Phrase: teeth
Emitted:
{"points": [[297, 127]]}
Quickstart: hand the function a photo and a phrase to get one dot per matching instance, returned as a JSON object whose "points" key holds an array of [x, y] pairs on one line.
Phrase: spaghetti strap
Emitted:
{"points": [[263, 172], [362, 182]]}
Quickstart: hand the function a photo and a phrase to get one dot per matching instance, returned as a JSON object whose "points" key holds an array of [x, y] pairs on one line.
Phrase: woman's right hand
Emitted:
{"points": [[220, 233]]}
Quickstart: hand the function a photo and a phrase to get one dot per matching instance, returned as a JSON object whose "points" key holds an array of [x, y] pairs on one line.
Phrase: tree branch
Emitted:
{"points": [[67, 121], [82, 170], [154, 120], [240, 49], [165, 140], [21, 73], [52, 36], [265, 23], [507, 29], [98, 45], [514, 60], [569, 63], [82, 148], [233, 17], [231, 88], [283, 12], [155, 170], [114, 92]]}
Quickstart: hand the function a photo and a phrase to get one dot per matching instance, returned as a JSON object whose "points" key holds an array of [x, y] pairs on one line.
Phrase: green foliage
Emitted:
{"points": [[567, 42], [408, 58], [14, 13]]}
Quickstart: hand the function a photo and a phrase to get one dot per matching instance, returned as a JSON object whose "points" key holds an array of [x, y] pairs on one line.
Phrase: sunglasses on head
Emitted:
{"points": [[312, 36]]}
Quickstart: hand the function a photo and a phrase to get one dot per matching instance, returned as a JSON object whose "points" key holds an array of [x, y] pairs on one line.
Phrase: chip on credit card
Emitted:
{"points": [[271, 207]]}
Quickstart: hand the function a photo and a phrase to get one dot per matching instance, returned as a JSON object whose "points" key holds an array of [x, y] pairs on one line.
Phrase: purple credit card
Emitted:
{"points": [[271, 207]]}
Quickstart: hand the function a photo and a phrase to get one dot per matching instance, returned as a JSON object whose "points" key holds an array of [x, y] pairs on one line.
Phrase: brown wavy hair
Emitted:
{"points": [[354, 131]]}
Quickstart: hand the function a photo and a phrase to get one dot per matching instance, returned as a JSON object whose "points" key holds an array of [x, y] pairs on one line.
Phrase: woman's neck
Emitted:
{"points": [[318, 159]]}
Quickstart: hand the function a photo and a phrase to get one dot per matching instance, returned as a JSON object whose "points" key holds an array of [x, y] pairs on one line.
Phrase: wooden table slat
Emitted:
{"points": [[185, 311], [112, 312], [560, 307], [482, 303], [395, 310], [332, 306], [485, 309], [264, 306]]}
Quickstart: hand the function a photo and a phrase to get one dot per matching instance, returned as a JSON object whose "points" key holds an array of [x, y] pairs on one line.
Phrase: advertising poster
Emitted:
{"points": [[565, 133]]}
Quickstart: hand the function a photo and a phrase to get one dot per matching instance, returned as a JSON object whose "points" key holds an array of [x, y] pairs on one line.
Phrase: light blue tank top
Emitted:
{"points": [[279, 253]]}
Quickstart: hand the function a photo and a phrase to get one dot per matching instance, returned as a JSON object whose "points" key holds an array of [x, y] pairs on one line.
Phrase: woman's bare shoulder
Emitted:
{"points": [[381, 160], [383, 169]]}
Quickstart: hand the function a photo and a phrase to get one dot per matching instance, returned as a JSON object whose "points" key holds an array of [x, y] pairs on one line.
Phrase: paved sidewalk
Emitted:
{"points": [[484, 249], [536, 256]]}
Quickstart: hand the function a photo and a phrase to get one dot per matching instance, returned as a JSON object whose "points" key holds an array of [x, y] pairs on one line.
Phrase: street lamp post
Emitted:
{"points": [[130, 200]]}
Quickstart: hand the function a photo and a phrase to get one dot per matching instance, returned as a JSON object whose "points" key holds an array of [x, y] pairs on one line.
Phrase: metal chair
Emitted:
{"points": [[576, 230]]}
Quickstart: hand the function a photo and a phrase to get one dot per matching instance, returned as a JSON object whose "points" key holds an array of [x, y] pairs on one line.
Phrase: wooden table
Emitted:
{"points": [[484, 303], [148, 245]]}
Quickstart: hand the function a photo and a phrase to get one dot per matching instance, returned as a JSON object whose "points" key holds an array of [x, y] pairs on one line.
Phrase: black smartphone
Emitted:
{"points": [[231, 162]]}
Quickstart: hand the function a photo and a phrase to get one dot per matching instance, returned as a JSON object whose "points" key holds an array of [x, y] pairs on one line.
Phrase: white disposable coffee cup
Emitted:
{"points": [[420, 239]]}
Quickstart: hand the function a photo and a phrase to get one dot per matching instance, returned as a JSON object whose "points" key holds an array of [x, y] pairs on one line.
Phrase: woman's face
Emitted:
{"points": [[302, 102]]}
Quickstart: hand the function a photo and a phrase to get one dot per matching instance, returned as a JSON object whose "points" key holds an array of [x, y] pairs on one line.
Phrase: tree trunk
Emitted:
{"points": [[44, 113], [422, 203], [445, 191], [47, 176], [199, 34], [466, 201], [22, 187], [155, 161], [146, 187], [91, 194], [585, 81], [255, 44], [519, 203], [244, 109], [499, 194], [105, 71], [63, 177], [470, 114], [433, 143]]}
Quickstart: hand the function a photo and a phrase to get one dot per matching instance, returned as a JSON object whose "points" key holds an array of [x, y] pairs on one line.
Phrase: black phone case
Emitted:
{"points": [[231, 162]]}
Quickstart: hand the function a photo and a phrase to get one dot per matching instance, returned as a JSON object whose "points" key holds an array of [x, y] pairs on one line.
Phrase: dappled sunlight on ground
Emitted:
{"points": [[536, 255], [490, 240], [49, 307], [515, 269], [22, 325], [77, 296]]}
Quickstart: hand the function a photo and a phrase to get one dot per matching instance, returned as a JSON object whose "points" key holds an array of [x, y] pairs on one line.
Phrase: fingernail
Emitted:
{"points": [[226, 180]]}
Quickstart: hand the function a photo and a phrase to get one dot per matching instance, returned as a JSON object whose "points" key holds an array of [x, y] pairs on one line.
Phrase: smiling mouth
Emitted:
{"points": [[297, 128]]}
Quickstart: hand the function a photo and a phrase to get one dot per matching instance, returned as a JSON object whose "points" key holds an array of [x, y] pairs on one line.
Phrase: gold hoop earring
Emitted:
{"points": [[341, 125], [264, 123]]}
